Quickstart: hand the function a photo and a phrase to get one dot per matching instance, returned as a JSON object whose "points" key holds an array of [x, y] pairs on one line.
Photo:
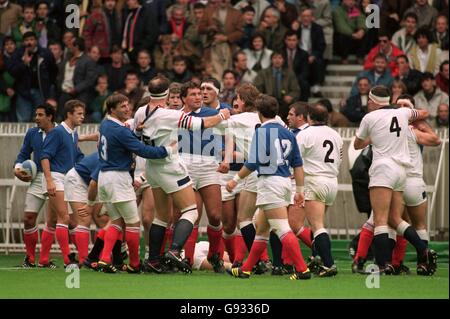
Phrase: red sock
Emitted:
{"points": [[62, 236], [228, 241], [240, 248], [399, 251], [112, 234], [73, 237], [82, 238], [304, 234], [258, 247], [47, 238], [167, 238], [292, 247], [170, 235], [265, 255], [101, 234], [30, 237], [215, 240], [132, 236], [287, 260], [189, 246], [365, 240]]}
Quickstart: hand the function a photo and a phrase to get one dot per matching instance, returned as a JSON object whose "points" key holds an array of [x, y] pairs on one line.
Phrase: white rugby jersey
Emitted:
{"points": [[388, 128], [242, 127], [321, 149], [140, 161], [161, 128], [416, 168]]}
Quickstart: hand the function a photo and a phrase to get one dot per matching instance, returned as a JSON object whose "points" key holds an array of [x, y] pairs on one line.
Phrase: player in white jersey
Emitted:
{"points": [[386, 129], [170, 176], [321, 148]]}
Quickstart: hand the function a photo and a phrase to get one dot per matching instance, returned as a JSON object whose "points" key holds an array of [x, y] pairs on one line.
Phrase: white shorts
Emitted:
{"points": [[415, 191], [115, 187], [144, 183], [387, 173], [224, 178], [251, 183], [58, 180], [200, 254], [75, 188], [322, 189], [273, 192], [127, 210], [202, 171], [171, 177]]}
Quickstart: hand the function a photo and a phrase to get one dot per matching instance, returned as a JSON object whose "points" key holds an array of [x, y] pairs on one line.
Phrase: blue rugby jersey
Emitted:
{"points": [[33, 143], [61, 149], [88, 167], [117, 145], [273, 150]]}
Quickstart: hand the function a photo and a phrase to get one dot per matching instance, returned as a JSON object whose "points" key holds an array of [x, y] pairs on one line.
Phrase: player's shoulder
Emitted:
{"points": [[207, 111]]}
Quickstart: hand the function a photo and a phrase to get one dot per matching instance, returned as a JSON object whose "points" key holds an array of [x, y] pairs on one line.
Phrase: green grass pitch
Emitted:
{"points": [[47, 283]]}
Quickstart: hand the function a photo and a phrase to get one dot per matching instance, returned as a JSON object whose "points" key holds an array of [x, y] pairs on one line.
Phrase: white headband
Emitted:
{"points": [[405, 101], [210, 85], [162, 95], [384, 101]]}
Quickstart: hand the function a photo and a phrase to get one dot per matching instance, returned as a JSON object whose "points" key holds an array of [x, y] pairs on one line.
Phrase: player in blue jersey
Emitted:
{"points": [[115, 185], [199, 151], [59, 155], [210, 88], [36, 194], [273, 151]]}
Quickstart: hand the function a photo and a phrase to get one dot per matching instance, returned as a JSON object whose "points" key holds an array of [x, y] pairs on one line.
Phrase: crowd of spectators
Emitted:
{"points": [[281, 46]]}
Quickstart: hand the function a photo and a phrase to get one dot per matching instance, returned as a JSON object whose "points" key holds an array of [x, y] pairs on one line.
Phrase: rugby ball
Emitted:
{"points": [[30, 167]]}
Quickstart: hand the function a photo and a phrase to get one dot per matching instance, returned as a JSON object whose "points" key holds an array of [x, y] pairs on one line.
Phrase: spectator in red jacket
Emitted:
{"points": [[386, 48]]}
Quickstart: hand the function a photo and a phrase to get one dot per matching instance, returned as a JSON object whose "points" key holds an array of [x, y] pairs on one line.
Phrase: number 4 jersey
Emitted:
{"points": [[321, 149], [387, 129]]}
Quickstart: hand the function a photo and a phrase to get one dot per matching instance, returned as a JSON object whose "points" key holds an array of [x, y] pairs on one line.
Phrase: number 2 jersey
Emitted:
{"points": [[321, 149]]}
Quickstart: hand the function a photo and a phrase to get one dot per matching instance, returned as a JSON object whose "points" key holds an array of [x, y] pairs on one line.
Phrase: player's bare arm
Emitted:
{"points": [[361, 144], [243, 173], [299, 197], [51, 188]]}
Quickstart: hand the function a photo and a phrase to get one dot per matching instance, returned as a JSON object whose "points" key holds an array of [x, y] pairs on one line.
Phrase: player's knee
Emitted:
{"points": [[190, 213], [229, 228], [147, 220], [29, 220], [280, 226]]}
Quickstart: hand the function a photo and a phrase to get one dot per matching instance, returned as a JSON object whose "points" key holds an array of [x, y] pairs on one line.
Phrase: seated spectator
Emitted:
{"points": [[132, 89], [258, 55], [6, 93], [96, 109], [179, 72], [94, 54], [116, 70], [378, 75], [425, 56], [228, 92], [10, 13], [355, 107], [164, 53], [335, 119], [398, 88], [144, 68], [440, 32], [178, 24], [409, 76], [248, 13], [25, 24], [288, 12], [28, 64], [296, 59], [392, 12], [442, 77], [430, 97], [312, 40], [389, 50], [272, 29], [192, 35], [280, 83], [9, 47], [174, 99], [67, 41], [442, 116], [350, 28], [57, 52], [240, 65], [46, 26], [258, 5], [404, 38], [426, 14]]}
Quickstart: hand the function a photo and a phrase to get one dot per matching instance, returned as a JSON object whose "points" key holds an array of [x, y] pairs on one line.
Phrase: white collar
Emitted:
{"points": [[109, 117], [301, 128], [197, 110], [67, 128], [270, 121], [3, 6]]}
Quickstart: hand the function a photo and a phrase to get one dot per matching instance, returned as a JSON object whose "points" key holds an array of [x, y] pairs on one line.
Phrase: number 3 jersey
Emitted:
{"points": [[387, 129], [321, 149]]}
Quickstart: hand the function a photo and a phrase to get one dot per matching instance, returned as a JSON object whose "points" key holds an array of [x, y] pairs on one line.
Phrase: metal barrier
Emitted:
{"points": [[342, 218]]}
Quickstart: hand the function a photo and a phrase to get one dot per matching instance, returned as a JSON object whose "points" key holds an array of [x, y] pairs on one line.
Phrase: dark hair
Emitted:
{"points": [[426, 76], [248, 93], [116, 49], [411, 15], [290, 33], [318, 113], [28, 6], [159, 84], [114, 100], [53, 42], [131, 72], [327, 104], [213, 81], [227, 71], [267, 106], [257, 35], [236, 54], [8, 38], [441, 67], [198, 5], [248, 8], [71, 105], [300, 108], [144, 51], [29, 34], [188, 86], [403, 56], [41, 2], [381, 91], [407, 97], [380, 56], [274, 53], [424, 32], [79, 43], [175, 88], [49, 110], [179, 58]]}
